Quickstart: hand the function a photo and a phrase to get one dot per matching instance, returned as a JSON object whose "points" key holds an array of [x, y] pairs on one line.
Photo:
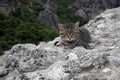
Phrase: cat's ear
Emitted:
{"points": [[77, 24], [60, 26]]}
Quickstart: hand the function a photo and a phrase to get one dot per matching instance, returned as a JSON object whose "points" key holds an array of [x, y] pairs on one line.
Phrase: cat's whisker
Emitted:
{"points": [[73, 35]]}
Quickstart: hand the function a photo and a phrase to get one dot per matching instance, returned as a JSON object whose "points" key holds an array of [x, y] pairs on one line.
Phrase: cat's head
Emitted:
{"points": [[69, 32]]}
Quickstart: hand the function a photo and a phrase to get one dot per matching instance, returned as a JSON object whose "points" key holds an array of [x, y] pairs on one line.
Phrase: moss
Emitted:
{"points": [[1, 51]]}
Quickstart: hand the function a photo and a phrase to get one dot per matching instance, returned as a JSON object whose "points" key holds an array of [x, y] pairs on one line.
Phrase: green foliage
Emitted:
{"points": [[25, 1], [37, 7], [4, 45], [63, 3], [2, 16], [26, 29], [66, 15], [1, 51], [1, 32]]}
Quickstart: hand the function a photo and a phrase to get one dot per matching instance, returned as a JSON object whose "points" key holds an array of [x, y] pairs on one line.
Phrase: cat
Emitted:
{"points": [[72, 35]]}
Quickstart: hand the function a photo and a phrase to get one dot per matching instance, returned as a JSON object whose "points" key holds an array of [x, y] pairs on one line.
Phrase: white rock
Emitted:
{"points": [[113, 60], [3, 71], [72, 56], [106, 71]]}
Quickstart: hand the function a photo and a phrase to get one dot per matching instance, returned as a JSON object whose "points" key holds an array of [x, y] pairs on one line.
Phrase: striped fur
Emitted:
{"points": [[72, 35]]}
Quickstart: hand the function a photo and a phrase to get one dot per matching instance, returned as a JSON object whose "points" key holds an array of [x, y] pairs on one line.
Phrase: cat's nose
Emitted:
{"points": [[70, 39]]}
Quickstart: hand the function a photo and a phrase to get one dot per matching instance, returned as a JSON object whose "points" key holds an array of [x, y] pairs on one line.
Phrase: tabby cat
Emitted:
{"points": [[72, 35]]}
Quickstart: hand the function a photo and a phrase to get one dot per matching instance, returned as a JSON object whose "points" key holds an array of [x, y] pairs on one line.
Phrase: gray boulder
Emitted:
{"points": [[3, 71], [49, 15], [91, 8], [42, 1]]}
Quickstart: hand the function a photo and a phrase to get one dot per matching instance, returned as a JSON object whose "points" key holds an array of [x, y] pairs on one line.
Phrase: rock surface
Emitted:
{"points": [[49, 15], [48, 62], [11, 7], [91, 8], [42, 1]]}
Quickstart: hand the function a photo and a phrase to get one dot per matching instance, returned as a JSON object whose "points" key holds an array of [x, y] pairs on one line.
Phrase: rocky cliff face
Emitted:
{"points": [[49, 15], [48, 62], [11, 7], [42, 1], [91, 8]]}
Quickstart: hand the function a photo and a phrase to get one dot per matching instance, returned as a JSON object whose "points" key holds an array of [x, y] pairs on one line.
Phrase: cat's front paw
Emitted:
{"points": [[57, 43]]}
